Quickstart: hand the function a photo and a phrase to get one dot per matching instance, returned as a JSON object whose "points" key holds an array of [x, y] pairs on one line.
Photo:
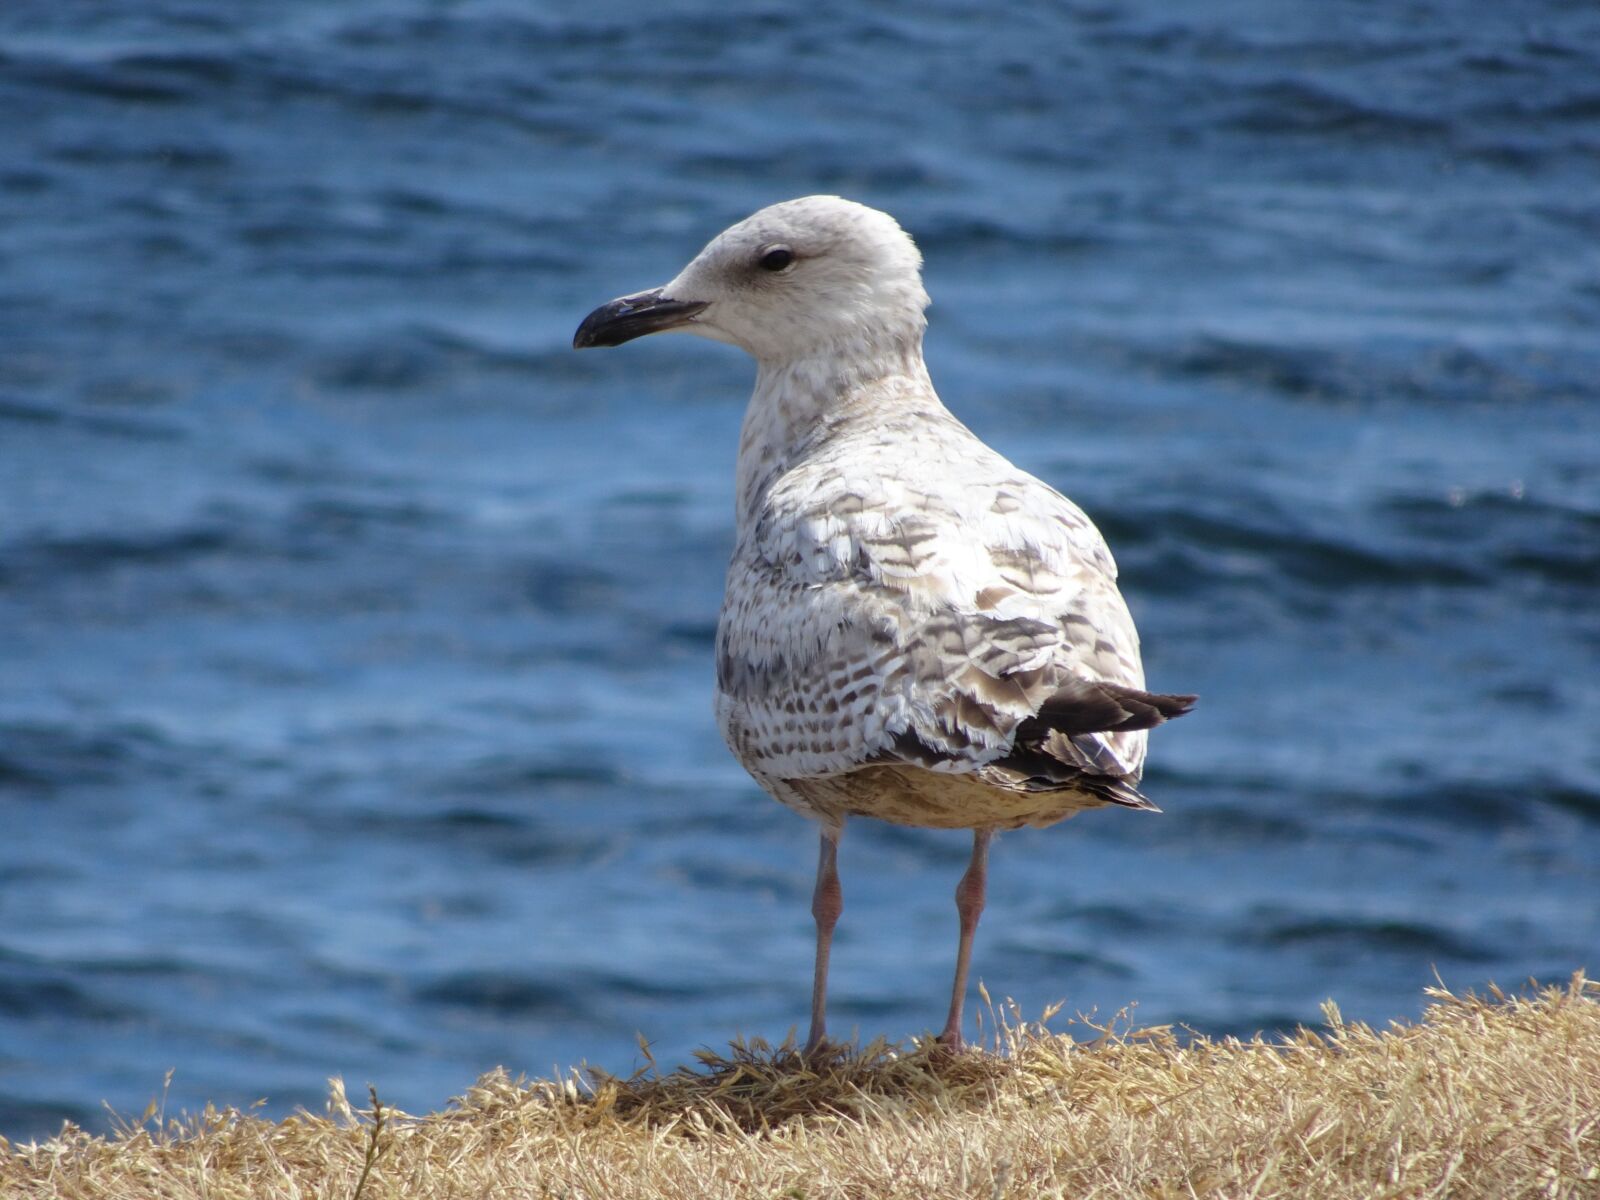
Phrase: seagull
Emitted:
{"points": [[914, 629]]}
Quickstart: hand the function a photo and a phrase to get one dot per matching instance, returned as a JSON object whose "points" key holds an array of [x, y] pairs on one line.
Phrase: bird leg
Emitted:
{"points": [[827, 902], [969, 904]]}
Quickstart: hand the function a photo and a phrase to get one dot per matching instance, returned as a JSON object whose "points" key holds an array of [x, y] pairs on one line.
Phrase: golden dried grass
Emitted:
{"points": [[1495, 1096]]}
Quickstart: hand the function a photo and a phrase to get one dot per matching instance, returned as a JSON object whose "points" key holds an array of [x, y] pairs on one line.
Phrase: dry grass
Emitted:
{"points": [[1498, 1096]]}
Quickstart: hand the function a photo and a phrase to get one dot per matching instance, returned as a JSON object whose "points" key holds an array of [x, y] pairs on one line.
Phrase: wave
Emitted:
{"points": [[41, 755], [304, 528], [142, 429], [1175, 549], [1298, 107], [1449, 375], [30, 993], [577, 996], [1342, 935]]}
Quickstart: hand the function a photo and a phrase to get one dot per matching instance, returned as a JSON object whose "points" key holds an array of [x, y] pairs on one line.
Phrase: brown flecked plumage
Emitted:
{"points": [[914, 629]]}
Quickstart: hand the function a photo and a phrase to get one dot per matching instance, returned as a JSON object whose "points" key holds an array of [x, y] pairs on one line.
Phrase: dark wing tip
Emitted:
{"points": [[1173, 705], [1094, 706]]}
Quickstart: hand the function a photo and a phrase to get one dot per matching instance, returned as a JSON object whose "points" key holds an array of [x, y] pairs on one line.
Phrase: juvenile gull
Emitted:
{"points": [[914, 629]]}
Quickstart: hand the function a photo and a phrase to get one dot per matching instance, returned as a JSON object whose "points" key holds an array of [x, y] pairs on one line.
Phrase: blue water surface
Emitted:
{"points": [[355, 634]]}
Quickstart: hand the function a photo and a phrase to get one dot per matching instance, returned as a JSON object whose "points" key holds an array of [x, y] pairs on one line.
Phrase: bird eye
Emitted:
{"points": [[776, 258]]}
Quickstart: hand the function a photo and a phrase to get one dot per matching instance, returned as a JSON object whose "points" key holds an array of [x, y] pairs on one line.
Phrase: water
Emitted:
{"points": [[355, 634]]}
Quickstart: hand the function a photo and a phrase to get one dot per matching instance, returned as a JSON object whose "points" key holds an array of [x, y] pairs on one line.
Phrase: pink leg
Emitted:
{"points": [[969, 904], [827, 902]]}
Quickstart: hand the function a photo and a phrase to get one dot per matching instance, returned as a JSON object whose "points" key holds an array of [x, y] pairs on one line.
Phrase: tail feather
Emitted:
{"points": [[1058, 746]]}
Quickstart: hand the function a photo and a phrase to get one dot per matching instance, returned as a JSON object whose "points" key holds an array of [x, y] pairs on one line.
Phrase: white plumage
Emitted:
{"points": [[914, 629]]}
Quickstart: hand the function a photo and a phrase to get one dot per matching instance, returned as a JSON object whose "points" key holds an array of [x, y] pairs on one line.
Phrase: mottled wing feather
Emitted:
{"points": [[869, 620]]}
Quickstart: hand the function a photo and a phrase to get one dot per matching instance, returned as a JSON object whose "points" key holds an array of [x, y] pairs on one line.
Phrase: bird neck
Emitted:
{"points": [[798, 401]]}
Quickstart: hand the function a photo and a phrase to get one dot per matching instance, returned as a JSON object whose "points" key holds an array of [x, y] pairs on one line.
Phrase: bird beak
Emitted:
{"points": [[628, 317]]}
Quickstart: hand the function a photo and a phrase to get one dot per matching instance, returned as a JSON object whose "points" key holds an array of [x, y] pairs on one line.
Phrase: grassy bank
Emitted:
{"points": [[1496, 1096]]}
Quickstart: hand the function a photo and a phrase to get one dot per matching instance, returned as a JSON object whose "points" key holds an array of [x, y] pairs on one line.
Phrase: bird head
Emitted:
{"points": [[808, 277]]}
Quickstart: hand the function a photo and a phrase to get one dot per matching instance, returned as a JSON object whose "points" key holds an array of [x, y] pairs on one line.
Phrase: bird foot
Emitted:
{"points": [[821, 1050]]}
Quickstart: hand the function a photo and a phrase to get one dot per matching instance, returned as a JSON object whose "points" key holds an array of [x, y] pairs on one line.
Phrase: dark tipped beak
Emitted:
{"points": [[629, 317]]}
